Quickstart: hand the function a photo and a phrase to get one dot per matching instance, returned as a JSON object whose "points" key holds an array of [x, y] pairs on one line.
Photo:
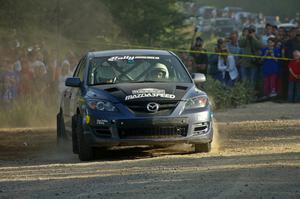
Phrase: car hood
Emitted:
{"points": [[133, 92]]}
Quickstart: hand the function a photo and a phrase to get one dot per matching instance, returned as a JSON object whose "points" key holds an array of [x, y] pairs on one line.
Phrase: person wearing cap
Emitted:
{"points": [[251, 46], [200, 56]]}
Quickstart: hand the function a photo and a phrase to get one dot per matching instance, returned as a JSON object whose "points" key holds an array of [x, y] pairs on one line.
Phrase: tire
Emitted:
{"points": [[85, 152], [60, 129], [74, 135], [203, 148]]}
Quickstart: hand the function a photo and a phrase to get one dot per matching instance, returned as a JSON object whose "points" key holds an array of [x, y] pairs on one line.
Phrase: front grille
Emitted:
{"points": [[165, 108], [153, 132], [102, 131]]}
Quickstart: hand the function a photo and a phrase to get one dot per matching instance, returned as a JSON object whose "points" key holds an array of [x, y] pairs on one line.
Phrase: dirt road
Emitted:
{"points": [[256, 155]]}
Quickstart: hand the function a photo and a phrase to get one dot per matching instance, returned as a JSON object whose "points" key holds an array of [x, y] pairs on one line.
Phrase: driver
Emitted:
{"points": [[105, 74], [158, 72]]}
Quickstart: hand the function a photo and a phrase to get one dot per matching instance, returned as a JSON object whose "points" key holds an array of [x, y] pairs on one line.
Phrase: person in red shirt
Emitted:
{"points": [[294, 78]]}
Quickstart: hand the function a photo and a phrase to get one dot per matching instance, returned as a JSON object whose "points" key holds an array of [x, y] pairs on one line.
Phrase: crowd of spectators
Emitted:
{"points": [[269, 63], [32, 73]]}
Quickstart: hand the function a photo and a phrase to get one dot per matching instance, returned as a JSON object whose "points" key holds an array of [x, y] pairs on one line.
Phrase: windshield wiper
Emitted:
{"points": [[146, 81], [102, 83], [108, 82]]}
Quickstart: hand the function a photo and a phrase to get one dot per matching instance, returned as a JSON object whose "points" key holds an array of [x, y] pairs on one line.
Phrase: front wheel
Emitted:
{"points": [[203, 147], [85, 151]]}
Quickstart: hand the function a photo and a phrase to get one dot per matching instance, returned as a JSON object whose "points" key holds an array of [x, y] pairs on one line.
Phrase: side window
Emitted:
{"points": [[77, 69], [80, 69]]}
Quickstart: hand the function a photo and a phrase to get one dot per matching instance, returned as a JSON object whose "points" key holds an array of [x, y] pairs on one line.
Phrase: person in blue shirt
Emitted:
{"points": [[270, 68]]}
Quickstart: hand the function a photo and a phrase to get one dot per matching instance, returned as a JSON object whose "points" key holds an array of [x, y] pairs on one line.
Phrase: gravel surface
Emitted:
{"points": [[256, 154]]}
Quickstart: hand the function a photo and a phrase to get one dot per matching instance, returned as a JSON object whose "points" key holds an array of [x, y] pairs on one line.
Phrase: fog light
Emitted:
{"points": [[201, 128], [87, 119]]}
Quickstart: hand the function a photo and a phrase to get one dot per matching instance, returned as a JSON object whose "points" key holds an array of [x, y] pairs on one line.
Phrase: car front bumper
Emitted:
{"points": [[190, 129]]}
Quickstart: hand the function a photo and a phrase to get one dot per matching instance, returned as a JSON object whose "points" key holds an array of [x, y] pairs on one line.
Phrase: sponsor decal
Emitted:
{"points": [[148, 90], [131, 58], [149, 93], [101, 122]]}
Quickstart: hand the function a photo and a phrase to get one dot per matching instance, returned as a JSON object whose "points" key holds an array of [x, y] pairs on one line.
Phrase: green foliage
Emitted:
{"points": [[225, 97], [94, 24], [80, 22], [151, 23]]}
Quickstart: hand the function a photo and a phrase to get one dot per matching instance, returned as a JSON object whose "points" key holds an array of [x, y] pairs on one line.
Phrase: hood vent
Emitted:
{"points": [[181, 88], [113, 89]]}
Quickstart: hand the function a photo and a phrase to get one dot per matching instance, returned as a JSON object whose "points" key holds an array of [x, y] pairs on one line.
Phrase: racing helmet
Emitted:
{"points": [[159, 71], [105, 73]]}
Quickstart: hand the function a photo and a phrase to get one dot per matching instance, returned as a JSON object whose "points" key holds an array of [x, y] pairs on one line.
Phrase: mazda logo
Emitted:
{"points": [[152, 107]]}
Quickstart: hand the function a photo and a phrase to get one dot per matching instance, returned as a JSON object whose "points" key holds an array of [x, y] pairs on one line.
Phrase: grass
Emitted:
{"points": [[225, 97], [29, 112]]}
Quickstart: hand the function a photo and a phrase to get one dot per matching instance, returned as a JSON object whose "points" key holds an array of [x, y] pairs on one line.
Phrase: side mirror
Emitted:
{"points": [[198, 77], [73, 82]]}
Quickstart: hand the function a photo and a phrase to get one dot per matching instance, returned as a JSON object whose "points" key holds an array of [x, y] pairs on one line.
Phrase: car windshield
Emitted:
{"points": [[136, 69]]}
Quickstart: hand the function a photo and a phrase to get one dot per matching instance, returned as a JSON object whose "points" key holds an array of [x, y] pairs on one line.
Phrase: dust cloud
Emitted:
{"points": [[34, 57], [217, 139]]}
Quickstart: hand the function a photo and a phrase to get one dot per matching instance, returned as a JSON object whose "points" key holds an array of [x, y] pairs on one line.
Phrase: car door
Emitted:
{"points": [[78, 93], [70, 95]]}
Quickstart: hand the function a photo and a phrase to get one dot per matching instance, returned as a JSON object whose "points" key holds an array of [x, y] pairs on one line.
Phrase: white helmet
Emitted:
{"points": [[105, 73], [159, 71]]}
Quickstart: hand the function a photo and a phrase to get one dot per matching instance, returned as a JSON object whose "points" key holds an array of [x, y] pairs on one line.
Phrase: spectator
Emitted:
{"points": [[270, 68], [251, 46], [245, 32], [293, 44], [36, 62], [274, 30], [38, 68], [234, 47], [226, 65], [281, 38], [65, 71], [268, 33], [213, 61], [187, 60], [294, 78], [26, 77], [200, 57], [9, 81], [45, 52], [233, 44]]}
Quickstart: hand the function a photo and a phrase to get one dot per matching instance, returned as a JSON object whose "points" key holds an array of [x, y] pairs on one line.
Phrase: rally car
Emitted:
{"points": [[133, 97]]}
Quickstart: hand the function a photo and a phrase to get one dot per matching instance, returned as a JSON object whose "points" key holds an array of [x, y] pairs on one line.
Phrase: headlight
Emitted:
{"points": [[196, 102], [102, 105]]}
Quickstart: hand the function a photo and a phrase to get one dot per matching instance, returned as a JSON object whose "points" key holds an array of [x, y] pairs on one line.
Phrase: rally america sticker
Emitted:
{"points": [[149, 92], [131, 58]]}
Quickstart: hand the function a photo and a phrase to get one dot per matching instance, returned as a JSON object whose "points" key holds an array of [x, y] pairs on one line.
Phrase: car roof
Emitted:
{"points": [[128, 52]]}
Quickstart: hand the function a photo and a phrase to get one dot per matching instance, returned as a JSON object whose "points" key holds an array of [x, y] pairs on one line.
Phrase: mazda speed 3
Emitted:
{"points": [[133, 97]]}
